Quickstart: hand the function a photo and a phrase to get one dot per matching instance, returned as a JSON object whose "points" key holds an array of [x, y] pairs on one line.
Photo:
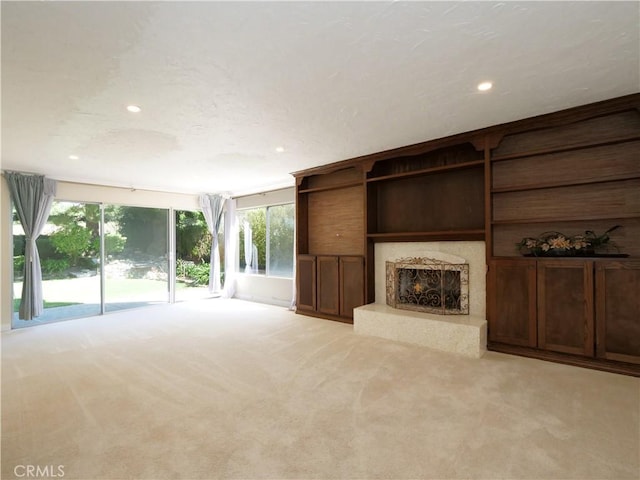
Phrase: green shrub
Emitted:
{"points": [[18, 265], [19, 244], [202, 247], [72, 241], [193, 240], [200, 273], [112, 243], [197, 274], [45, 248], [54, 266]]}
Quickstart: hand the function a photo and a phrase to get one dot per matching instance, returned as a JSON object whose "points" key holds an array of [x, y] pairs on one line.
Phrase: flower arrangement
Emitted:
{"points": [[559, 244]]}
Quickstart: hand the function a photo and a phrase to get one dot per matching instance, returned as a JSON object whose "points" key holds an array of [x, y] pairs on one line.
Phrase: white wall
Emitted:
{"points": [[80, 192], [261, 289], [275, 197]]}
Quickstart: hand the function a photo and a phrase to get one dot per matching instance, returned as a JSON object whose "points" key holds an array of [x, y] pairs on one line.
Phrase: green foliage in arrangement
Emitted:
{"points": [[559, 244]]}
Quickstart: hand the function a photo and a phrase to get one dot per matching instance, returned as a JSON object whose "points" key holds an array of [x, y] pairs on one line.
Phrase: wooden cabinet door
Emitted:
{"points": [[565, 306], [328, 298], [618, 310], [351, 284], [512, 302], [306, 282]]}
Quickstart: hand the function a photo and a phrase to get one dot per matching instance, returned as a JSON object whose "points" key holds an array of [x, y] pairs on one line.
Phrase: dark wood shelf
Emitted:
{"points": [[614, 256], [477, 234], [549, 185], [320, 254], [571, 175], [331, 187], [582, 146], [428, 171], [557, 219]]}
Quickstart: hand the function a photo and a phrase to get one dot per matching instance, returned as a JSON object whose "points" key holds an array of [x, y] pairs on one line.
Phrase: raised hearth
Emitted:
{"points": [[464, 335]]}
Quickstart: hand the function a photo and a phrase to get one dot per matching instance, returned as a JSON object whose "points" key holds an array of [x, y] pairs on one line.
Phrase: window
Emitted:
{"points": [[280, 234], [266, 240]]}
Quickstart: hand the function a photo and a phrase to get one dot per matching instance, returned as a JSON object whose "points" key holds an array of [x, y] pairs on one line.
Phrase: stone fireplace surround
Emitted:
{"points": [[460, 334]]}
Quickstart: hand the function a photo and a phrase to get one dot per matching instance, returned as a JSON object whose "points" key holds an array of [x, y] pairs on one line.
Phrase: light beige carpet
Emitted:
{"points": [[231, 389]]}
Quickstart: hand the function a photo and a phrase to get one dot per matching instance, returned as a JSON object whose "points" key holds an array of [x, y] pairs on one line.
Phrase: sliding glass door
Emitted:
{"points": [[69, 249], [102, 258], [136, 265], [193, 254]]}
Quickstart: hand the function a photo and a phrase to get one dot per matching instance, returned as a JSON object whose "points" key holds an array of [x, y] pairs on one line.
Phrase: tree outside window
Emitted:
{"points": [[280, 228], [266, 240]]}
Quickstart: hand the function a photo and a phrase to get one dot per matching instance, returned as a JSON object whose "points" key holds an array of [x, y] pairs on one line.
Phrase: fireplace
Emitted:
{"points": [[429, 285], [456, 324]]}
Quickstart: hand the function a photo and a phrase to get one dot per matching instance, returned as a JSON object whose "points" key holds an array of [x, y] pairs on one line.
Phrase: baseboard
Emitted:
{"points": [[567, 359]]}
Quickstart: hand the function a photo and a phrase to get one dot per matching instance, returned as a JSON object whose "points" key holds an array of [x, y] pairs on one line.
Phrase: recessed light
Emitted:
{"points": [[134, 108], [484, 86], [74, 157], [279, 149]]}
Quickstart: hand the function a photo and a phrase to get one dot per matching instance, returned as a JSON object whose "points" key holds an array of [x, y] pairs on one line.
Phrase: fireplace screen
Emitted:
{"points": [[428, 285]]}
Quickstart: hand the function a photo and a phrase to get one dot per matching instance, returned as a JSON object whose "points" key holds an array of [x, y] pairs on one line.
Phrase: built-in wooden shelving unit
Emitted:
{"points": [[568, 171], [427, 171], [583, 175]]}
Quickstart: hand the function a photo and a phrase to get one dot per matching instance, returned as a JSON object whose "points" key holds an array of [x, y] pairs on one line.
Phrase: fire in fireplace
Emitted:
{"points": [[428, 285]]}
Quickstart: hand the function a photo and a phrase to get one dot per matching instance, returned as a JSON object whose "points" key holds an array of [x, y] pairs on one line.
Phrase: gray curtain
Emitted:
{"points": [[212, 206], [248, 247], [32, 196], [230, 247]]}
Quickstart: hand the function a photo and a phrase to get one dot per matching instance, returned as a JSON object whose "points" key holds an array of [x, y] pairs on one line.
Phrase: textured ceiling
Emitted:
{"points": [[222, 84]]}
